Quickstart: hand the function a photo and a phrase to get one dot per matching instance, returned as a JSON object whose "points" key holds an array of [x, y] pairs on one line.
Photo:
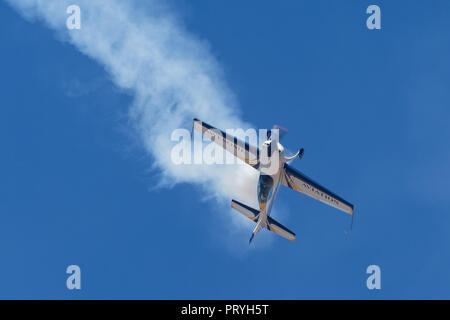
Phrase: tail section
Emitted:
{"points": [[269, 223]]}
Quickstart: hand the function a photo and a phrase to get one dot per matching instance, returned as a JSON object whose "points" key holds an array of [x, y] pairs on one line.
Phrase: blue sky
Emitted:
{"points": [[369, 107]]}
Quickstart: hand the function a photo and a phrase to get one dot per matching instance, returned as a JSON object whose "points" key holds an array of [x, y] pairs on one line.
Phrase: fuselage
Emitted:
{"points": [[269, 178]]}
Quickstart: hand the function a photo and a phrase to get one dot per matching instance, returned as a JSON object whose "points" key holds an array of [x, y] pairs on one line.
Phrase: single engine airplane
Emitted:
{"points": [[271, 161]]}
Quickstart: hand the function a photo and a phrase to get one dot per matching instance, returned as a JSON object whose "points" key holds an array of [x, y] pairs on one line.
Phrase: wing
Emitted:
{"points": [[240, 149], [299, 182]]}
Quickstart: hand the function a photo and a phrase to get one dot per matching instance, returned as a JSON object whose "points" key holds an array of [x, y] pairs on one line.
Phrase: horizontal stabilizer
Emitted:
{"points": [[279, 229], [247, 211]]}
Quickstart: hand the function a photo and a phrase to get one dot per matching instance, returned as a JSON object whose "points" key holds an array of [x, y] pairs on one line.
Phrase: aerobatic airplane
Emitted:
{"points": [[271, 162]]}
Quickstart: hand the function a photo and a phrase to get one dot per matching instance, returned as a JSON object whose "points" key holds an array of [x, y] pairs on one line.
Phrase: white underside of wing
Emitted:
{"points": [[305, 185], [241, 150]]}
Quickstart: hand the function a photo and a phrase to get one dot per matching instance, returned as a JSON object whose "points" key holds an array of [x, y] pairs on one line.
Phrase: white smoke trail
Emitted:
{"points": [[171, 74]]}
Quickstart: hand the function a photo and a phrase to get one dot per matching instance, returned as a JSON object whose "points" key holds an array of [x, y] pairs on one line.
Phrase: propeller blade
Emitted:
{"points": [[282, 130]]}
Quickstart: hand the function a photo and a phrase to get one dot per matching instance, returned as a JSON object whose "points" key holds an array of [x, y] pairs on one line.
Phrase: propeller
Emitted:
{"points": [[282, 130]]}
